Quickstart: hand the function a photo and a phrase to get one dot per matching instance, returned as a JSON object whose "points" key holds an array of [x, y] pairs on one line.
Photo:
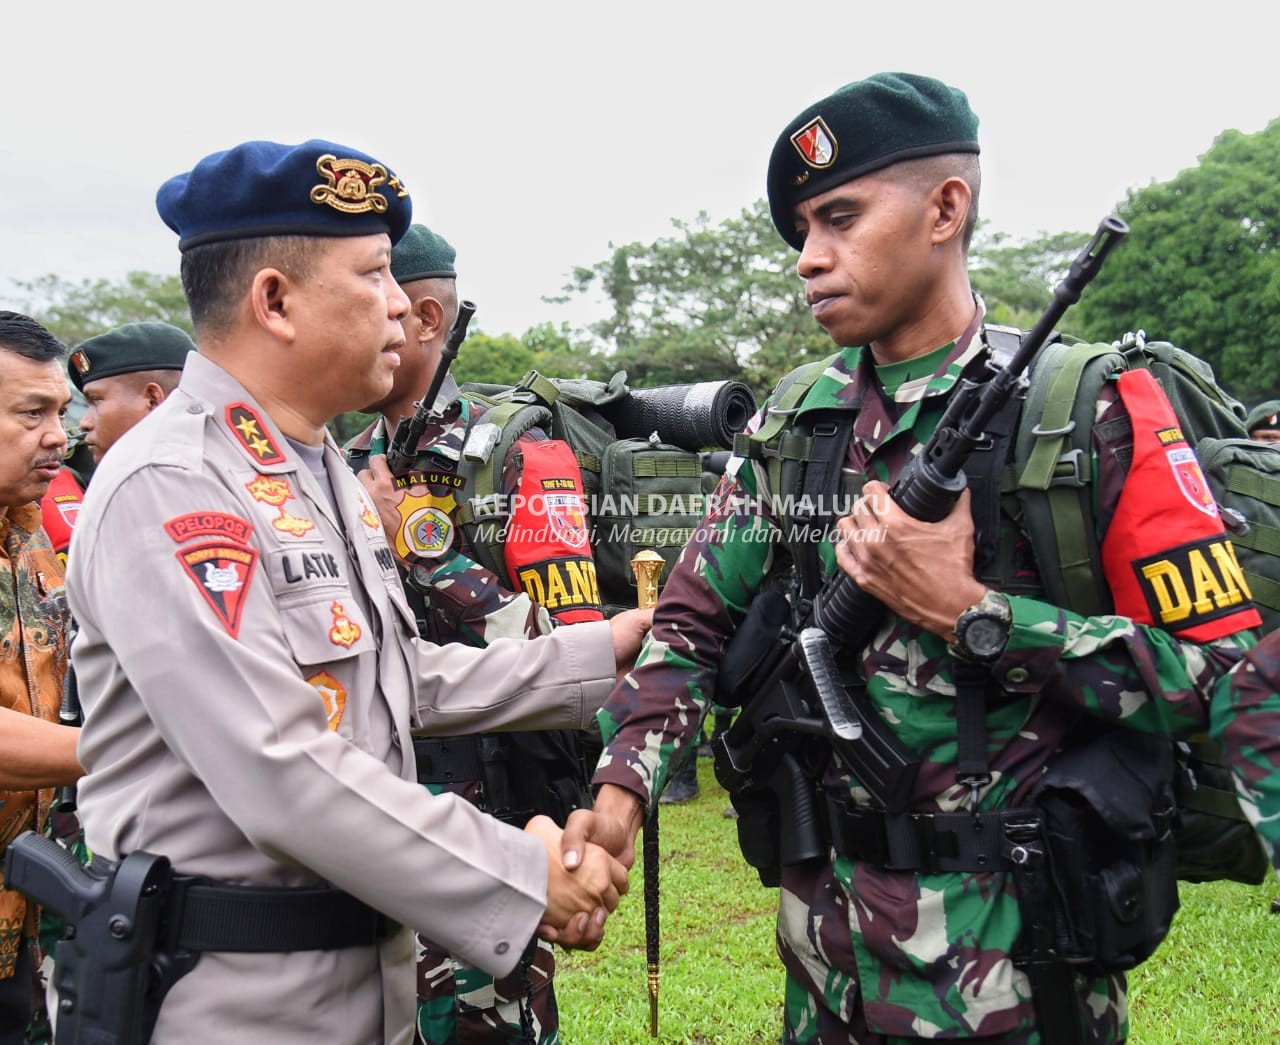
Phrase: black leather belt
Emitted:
{"points": [[205, 915], [928, 842]]}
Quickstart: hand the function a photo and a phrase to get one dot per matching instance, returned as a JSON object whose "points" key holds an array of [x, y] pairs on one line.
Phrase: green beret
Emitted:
{"points": [[262, 188], [863, 127], [422, 254], [1264, 415], [129, 349]]}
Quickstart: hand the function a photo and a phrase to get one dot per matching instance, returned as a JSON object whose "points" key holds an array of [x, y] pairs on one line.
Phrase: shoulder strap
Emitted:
{"points": [[483, 514], [1053, 470]]}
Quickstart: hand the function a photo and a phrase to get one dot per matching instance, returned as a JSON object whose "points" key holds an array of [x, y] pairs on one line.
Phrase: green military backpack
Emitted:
{"points": [[1050, 474], [644, 485]]}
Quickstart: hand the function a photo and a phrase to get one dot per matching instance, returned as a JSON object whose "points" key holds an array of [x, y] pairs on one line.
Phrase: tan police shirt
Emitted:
{"points": [[250, 675]]}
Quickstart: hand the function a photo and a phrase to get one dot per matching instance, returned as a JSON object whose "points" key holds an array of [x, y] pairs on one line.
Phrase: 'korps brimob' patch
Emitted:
{"points": [[222, 572], [252, 433], [816, 144]]}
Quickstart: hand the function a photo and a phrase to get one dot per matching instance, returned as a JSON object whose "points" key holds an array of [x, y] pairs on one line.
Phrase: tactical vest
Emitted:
{"points": [[1034, 523]]}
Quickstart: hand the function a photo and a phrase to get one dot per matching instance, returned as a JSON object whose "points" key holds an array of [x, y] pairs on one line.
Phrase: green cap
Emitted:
{"points": [[863, 127], [129, 349], [422, 254], [1264, 415]]}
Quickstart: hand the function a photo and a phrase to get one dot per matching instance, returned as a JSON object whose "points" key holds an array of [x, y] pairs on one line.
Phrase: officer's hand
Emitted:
{"points": [[629, 629], [921, 571], [578, 900], [612, 822], [377, 480]]}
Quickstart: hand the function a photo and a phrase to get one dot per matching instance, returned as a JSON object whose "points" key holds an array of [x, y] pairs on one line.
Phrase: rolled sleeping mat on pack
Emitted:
{"points": [[695, 416]]}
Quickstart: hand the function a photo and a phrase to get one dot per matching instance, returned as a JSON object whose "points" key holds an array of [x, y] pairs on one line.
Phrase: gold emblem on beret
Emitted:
{"points": [[816, 144], [352, 185], [80, 360]]}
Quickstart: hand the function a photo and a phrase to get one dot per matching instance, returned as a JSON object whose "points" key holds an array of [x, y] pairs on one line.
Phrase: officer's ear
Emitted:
{"points": [[269, 302], [951, 199], [431, 317]]}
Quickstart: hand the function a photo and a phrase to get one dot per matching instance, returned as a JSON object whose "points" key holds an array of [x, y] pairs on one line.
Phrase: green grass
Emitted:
{"points": [[1215, 979]]}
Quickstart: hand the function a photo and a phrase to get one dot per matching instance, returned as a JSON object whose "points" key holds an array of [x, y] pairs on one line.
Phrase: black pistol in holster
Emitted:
{"points": [[109, 973], [402, 451]]}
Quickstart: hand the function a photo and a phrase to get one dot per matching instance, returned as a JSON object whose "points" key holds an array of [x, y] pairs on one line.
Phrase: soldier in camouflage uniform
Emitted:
{"points": [[876, 186], [456, 599], [1245, 719]]}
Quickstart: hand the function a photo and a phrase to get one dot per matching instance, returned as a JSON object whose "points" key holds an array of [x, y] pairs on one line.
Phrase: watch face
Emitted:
{"points": [[985, 636]]}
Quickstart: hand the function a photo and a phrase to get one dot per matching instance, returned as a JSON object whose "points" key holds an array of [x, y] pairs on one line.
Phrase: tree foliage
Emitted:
{"points": [[1200, 266], [76, 311], [708, 303], [1016, 279]]}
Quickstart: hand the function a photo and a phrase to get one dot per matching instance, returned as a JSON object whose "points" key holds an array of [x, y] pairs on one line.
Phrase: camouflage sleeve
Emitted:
{"points": [[466, 602], [1244, 717], [656, 710], [1111, 666]]}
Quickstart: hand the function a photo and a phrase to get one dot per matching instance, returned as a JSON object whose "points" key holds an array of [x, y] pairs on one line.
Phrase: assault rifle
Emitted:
{"points": [[783, 672], [403, 448]]}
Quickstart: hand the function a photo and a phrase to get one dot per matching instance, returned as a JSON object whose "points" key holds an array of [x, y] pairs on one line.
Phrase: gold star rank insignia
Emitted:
{"points": [[252, 433]]}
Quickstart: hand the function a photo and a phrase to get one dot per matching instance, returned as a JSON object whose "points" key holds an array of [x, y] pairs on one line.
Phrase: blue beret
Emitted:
{"points": [[129, 349], [422, 254], [863, 127], [264, 188]]}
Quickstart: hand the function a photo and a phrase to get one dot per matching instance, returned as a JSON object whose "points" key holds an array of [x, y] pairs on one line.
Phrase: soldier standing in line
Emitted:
{"points": [[514, 775]]}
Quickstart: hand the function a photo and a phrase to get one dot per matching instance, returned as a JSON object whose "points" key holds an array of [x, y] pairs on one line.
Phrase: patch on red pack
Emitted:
{"points": [[222, 572], [209, 524], [345, 632], [252, 433], [334, 695], [1191, 480], [567, 517]]}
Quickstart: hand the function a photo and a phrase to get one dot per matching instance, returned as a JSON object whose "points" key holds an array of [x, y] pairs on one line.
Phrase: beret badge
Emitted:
{"points": [[80, 360], [351, 185], [816, 144]]}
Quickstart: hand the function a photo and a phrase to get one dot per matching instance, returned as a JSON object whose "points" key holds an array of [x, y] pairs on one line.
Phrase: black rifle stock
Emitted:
{"points": [[784, 675], [403, 448]]}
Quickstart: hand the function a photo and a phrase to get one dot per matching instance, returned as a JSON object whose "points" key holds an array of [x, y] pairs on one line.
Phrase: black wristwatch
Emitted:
{"points": [[982, 631]]}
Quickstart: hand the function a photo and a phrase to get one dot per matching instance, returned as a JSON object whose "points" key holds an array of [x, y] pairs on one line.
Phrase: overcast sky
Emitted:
{"points": [[532, 135]]}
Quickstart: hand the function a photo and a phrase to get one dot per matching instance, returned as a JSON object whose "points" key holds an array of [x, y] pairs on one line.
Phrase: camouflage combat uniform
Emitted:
{"points": [[458, 600], [873, 954], [1245, 719]]}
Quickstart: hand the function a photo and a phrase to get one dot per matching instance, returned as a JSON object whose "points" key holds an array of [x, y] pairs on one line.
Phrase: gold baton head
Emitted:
{"points": [[647, 565]]}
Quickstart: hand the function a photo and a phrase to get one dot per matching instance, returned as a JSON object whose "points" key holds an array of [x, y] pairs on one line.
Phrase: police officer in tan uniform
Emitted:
{"points": [[249, 669]]}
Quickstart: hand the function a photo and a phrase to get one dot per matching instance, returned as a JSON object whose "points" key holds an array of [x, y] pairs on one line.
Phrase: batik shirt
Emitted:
{"points": [[34, 624], [928, 953]]}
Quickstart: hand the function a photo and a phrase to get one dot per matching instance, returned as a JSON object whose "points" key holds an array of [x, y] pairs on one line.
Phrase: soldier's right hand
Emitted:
{"points": [[613, 821]]}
